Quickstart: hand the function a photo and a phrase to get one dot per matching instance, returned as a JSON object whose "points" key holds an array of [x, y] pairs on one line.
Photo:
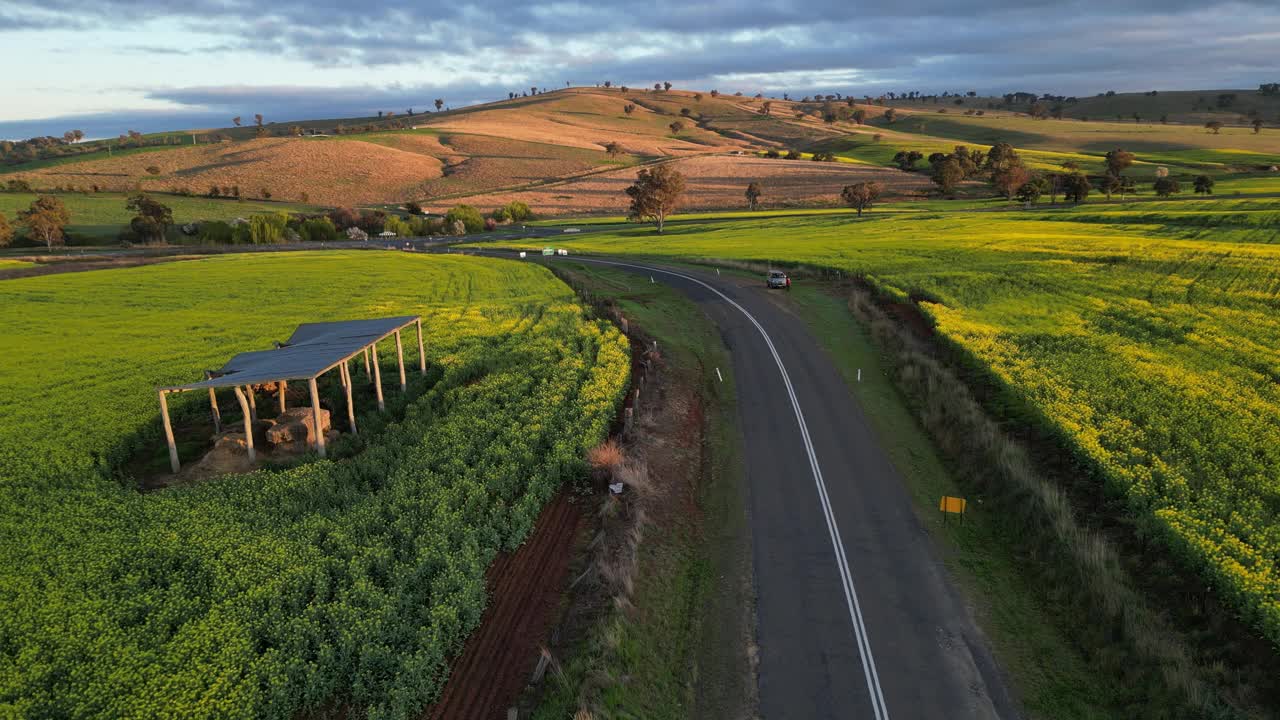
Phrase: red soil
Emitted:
{"points": [[525, 590]]}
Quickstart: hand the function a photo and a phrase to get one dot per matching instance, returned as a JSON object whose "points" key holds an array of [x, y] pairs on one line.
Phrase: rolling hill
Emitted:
{"points": [[551, 149]]}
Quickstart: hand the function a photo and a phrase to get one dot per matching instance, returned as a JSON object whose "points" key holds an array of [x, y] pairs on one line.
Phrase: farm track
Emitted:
{"points": [[524, 590]]}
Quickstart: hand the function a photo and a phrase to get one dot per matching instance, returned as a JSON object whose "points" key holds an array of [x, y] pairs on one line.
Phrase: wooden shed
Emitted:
{"points": [[311, 351]]}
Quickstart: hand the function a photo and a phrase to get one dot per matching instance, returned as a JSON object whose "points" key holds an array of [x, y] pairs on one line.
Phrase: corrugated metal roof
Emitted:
{"points": [[311, 350]]}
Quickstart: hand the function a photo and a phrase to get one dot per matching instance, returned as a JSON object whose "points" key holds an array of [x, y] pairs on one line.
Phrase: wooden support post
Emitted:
{"points": [[315, 416], [422, 355], [253, 402], [248, 423], [351, 408], [168, 433], [377, 378], [400, 361], [366, 363], [217, 416], [283, 388]]}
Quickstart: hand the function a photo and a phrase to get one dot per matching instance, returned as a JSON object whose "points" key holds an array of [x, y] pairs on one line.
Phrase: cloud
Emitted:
{"points": [[474, 50]]}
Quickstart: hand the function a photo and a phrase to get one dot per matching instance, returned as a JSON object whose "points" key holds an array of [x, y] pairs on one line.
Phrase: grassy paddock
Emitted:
{"points": [[99, 216]]}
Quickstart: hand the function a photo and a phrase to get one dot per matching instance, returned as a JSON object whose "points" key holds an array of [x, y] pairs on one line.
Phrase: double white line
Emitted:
{"points": [[850, 593]]}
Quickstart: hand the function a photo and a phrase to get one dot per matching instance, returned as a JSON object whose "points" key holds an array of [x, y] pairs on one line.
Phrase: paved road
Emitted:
{"points": [[856, 615]]}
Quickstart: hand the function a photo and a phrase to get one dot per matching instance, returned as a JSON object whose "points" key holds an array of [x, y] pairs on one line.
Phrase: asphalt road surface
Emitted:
{"points": [[856, 615]]}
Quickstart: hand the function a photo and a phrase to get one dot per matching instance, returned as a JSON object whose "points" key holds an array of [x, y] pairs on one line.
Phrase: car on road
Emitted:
{"points": [[778, 279]]}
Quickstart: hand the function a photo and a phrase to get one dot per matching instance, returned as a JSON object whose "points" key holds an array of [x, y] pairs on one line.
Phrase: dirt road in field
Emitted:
{"points": [[857, 617]]}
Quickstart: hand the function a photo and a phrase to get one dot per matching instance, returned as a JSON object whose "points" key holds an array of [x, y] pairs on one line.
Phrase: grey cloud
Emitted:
{"points": [[1061, 46]]}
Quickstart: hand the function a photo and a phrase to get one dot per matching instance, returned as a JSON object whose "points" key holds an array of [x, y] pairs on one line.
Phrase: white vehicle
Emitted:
{"points": [[523, 253], [562, 251], [571, 230]]}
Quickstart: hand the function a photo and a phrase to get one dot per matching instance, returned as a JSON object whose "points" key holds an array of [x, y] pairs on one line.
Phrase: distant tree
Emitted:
{"points": [[471, 219], [1166, 186], [1204, 185], [1010, 179], [413, 208], [1031, 190], [257, 119], [236, 121], [859, 115], [79, 135], [793, 155], [666, 86], [296, 130], [1214, 125], [946, 175], [772, 154], [153, 218], [907, 159], [1164, 119], [266, 194], [518, 211], [214, 192], [1110, 184], [1127, 187], [628, 108], [823, 157], [45, 220], [676, 127], [68, 137], [439, 104], [1118, 161], [1137, 117], [6, 231], [890, 115], [877, 137], [608, 83], [686, 112], [1001, 157], [153, 170], [613, 149], [860, 196], [697, 97], [767, 107], [754, 191], [656, 194], [1075, 188], [262, 131], [715, 93], [657, 86], [1257, 125]]}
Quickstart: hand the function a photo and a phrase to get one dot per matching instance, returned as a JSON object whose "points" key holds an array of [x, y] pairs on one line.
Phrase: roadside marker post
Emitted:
{"points": [[952, 506], [719, 375], [859, 374]]}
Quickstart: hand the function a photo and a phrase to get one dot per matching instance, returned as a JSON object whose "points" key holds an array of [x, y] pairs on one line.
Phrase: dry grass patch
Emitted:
{"points": [[716, 183], [328, 172]]}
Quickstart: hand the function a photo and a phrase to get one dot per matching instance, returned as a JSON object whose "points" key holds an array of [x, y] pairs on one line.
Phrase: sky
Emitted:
{"points": [[112, 65]]}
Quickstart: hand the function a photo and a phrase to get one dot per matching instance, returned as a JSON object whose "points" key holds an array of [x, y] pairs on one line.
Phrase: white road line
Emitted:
{"points": [[850, 593]]}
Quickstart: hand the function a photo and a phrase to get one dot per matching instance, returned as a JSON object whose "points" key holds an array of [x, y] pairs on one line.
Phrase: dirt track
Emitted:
{"points": [[524, 592]]}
